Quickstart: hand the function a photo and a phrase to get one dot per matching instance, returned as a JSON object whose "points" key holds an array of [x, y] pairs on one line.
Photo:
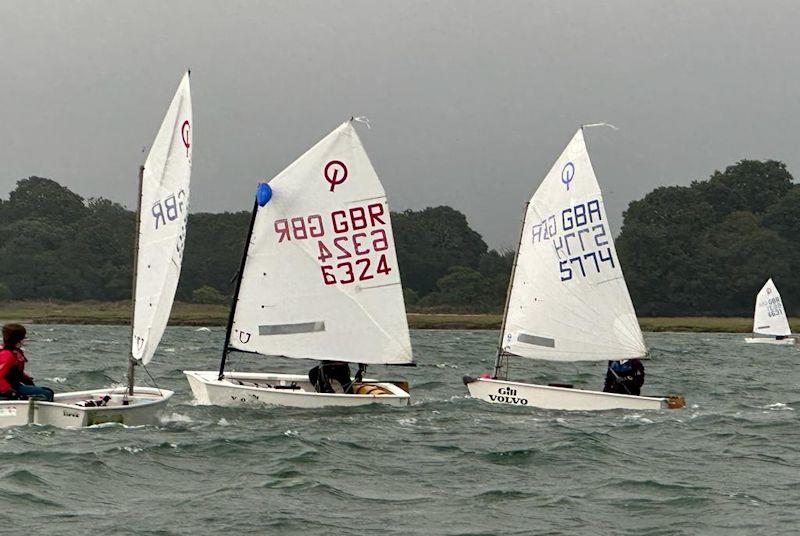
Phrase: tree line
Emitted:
{"points": [[708, 248], [702, 249], [56, 245]]}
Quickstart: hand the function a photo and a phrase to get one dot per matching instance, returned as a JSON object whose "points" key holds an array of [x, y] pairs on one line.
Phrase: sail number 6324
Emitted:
{"points": [[347, 259], [347, 272]]}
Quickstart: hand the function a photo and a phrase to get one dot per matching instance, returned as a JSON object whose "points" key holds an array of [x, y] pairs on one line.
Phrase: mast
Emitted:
{"points": [[225, 349], [498, 362], [131, 360]]}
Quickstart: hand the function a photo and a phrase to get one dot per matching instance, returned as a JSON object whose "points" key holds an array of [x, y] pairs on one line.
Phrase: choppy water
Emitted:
{"points": [[727, 464]]}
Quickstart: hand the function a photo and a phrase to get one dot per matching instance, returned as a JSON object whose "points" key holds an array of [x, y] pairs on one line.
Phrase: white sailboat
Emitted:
{"points": [[318, 280], [567, 298], [769, 318], [161, 231]]}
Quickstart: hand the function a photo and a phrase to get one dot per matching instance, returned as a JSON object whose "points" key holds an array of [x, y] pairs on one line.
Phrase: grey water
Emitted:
{"points": [[726, 464]]}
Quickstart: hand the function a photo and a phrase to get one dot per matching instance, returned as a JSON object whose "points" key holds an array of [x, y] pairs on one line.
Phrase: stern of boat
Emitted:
{"points": [[16, 412]]}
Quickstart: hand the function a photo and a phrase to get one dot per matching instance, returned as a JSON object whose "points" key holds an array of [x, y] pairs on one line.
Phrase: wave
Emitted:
{"points": [[22, 477], [26, 499], [503, 495]]}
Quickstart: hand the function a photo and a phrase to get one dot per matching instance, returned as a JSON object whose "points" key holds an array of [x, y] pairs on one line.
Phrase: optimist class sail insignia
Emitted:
{"points": [[568, 173], [335, 173]]}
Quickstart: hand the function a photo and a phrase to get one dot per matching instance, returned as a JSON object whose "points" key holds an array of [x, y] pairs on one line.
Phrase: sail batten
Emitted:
{"points": [[161, 225], [770, 316], [569, 300], [320, 280]]}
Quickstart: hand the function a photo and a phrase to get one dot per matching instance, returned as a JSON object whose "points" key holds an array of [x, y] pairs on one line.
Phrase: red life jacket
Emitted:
{"points": [[12, 369]]}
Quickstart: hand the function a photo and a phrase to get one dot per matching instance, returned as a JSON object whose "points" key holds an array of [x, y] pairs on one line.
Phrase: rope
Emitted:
{"points": [[151, 378]]}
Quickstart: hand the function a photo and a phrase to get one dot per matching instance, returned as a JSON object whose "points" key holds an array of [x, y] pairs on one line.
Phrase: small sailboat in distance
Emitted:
{"points": [[769, 319], [318, 281], [567, 299], [161, 218]]}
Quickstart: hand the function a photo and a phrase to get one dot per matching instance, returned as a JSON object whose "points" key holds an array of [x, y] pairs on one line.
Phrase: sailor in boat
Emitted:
{"points": [[14, 383], [624, 377], [339, 371]]}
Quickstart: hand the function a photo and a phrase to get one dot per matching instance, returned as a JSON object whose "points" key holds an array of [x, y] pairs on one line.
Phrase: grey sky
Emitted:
{"points": [[470, 102]]}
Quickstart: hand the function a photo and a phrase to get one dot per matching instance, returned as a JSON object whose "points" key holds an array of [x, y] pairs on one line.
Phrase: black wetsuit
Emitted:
{"points": [[624, 378], [321, 376]]}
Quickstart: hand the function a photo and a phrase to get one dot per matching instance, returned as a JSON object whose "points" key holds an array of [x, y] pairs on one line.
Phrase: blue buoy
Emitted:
{"points": [[263, 193]]}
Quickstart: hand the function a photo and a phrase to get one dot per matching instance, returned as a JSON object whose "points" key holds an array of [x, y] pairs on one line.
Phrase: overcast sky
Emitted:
{"points": [[470, 102]]}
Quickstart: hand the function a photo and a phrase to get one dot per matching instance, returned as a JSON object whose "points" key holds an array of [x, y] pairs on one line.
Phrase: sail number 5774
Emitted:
{"points": [[582, 264]]}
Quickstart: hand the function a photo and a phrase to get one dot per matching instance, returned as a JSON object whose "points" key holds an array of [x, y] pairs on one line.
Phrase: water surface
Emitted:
{"points": [[727, 464]]}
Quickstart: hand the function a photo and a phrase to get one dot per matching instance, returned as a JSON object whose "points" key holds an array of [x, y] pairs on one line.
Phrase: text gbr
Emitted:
{"points": [[168, 210], [579, 237], [774, 307], [349, 241]]}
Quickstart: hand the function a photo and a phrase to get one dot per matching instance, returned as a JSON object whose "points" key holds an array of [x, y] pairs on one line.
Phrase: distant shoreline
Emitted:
{"points": [[193, 314]]}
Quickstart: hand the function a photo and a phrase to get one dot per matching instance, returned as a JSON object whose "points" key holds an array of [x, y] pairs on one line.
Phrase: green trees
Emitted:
{"points": [[431, 241], [708, 248], [5, 292], [207, 294], [56, 245], [43, 199], [214, 245], [446, 264], [686, 250]]}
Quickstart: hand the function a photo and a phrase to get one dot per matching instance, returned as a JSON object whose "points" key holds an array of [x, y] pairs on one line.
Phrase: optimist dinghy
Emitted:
{"points": [[769, 319], [318, 280], [567, 298], [161, 231]]}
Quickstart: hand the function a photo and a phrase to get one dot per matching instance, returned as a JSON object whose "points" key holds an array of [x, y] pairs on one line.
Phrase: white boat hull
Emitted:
{"points": [[68, 410], [238, 389], [770, 340], [560, 398]]}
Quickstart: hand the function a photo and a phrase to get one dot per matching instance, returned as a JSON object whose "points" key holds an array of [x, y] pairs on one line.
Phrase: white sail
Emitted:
{"points": [[162, 224], [770, 316], [321, 279], [569, 300]]}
